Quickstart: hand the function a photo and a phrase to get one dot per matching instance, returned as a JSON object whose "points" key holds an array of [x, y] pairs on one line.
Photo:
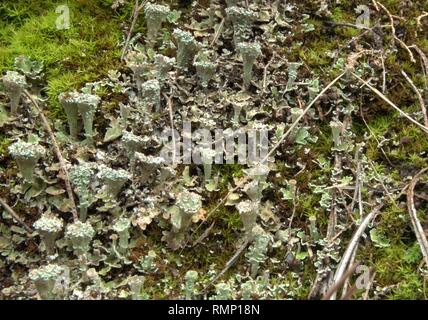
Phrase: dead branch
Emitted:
{"points": [[418, 94], [381, 95], [417, 227], [15, 215], [58, 154]]}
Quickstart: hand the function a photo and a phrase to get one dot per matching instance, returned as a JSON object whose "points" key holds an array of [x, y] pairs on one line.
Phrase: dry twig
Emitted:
{"points": [[417, 227], [58, 154], [418, 94], [15, 215]]}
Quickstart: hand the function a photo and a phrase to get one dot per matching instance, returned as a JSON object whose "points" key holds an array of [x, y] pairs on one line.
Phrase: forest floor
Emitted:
{"points": [[346, 187]]}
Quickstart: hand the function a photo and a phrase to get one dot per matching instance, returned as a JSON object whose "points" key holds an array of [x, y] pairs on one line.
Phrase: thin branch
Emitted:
{"points": [[335, 287], [381, 95], [171, 119], [135, 14], [295, 123], [351, 247], [401, 42], [228, 265], [418, 94], [15, 215], [217, 32], [417, 227], [58, 154]]}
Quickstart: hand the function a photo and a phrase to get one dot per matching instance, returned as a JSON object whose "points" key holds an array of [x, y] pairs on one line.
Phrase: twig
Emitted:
{"points": [[217, 32], [418, 94], [412, 58], [381, 95], [295, 123], [366, 294], [135, 13], [15, 215], [356, 238], [351, 247], [333, 289], [171, 119], [265, 70], [417, 227], [228, 265], [58, 154]]}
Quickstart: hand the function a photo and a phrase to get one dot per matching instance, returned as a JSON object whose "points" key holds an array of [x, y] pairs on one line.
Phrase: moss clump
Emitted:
{"points": [[73, 56]]}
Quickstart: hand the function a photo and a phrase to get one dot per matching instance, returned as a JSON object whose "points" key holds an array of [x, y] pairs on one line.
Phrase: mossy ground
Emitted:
{"points": [[90, 48]]}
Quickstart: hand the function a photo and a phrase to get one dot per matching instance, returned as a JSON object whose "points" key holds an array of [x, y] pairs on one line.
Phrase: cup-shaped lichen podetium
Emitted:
{"points": [[242, 20], [140, 66], [14, 84], [292, 75], [148, 166], [188, 204], [68, 102], [49, 228], [205, 70], [26, 155], [80, 177], [136, 283], [150, 90], [191, 278], [187, 47], [336, 130], [45, 278], [249, 52], [155, 15], [113, 180], [121, 226], [87, 105], [163, 65], [80, 235], [132, 144], [248, 211], [207, 157]]}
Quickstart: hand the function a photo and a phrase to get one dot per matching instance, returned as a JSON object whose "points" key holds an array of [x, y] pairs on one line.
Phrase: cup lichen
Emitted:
{"points": [[14, 84]]}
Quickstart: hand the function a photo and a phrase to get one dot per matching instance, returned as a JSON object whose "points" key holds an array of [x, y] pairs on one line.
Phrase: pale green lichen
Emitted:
{"points": [[45, 278], [80, 177], [80, 235], [187, 47], [150, 90], [136, 284], [137, 62], [336, 129], [26, 155], [249, 52], [207, 157], [191, 278], [155, 15], [148, 165], [242, 20], [113, 179], [14, 84], [256, 254], [163, 65], [188, 204], [205, 70], [121, 226], [85, 104], [248, 211], [49, 228], [67, 100], [132, 144], [292, 75]]}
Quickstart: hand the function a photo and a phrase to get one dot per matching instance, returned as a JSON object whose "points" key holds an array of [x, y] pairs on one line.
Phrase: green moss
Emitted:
{"points": [[84, 52], [397, 266]]}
